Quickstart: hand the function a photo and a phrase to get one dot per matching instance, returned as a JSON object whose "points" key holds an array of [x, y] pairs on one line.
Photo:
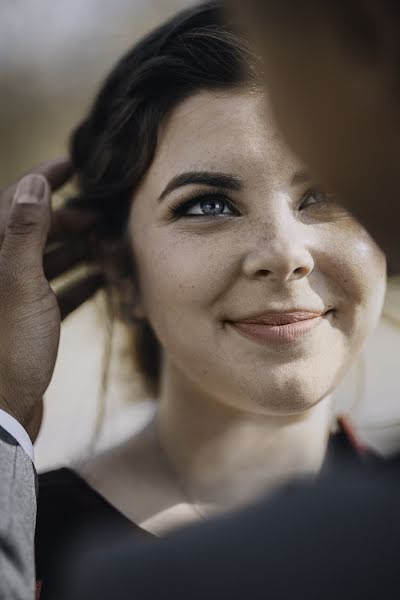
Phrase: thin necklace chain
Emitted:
{"points": [[177, 479]]}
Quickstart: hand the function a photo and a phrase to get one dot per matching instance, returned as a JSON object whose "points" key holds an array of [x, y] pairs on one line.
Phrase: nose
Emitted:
{"points": [[284, 258]]}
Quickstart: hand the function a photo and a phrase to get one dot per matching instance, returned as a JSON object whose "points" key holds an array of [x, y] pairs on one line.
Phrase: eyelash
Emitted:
{"points": [[179, 209]]}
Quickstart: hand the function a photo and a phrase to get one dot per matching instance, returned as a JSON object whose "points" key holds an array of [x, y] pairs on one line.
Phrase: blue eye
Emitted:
{"points": [[210, 207], [204, 205], [314, 197]]}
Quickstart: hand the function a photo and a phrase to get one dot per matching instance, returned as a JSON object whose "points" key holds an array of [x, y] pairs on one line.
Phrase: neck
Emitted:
{"points": [[225, 457]]}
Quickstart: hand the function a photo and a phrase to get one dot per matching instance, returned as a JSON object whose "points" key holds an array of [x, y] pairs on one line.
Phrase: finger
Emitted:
{"points": [[75, 294], [57, 172], [69, 223], [27, 226], [59, 259], [66, 224]]}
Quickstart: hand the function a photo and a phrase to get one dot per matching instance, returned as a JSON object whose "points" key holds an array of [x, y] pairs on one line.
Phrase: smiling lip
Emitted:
{"points": [[282, 327]]}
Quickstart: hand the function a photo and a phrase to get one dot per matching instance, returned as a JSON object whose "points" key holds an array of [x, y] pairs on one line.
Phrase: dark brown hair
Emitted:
{"points": [[114, 146]]}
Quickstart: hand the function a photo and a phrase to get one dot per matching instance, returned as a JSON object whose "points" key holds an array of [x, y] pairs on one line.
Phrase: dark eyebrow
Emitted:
{"points": [[300, 177], [218, 180]]}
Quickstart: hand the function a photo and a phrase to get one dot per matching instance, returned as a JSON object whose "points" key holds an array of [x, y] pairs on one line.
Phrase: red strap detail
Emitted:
{"points": [[348, 429], [38, 589]]}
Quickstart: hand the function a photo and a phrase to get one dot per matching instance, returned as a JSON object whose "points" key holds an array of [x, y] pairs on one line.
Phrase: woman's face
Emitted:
{"points": [[259, 287]]}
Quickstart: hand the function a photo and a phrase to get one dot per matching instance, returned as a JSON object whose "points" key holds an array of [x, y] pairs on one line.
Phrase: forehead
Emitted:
{"points": [[231, 131]]}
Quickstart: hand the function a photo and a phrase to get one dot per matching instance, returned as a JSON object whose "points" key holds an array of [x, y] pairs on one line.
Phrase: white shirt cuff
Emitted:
{"points": [[15, 429]]}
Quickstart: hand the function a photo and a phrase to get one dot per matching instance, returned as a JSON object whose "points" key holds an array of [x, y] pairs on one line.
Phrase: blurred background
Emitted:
{"points": [[52, 58]]}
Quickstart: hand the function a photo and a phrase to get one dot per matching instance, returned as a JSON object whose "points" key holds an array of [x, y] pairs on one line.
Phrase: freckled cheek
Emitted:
{"points": [[181, 273]]}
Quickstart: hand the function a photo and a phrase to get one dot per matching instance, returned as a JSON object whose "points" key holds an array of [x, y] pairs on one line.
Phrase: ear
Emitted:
{"points": [[121, 280], [130, 302]]}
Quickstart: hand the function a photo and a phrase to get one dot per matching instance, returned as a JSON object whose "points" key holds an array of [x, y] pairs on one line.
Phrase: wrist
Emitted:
{"points": [[21, 411], [17, 432], [35, 422]]}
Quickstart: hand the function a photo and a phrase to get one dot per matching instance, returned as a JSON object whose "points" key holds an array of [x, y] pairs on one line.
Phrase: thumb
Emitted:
{"points": [[28, 224]]}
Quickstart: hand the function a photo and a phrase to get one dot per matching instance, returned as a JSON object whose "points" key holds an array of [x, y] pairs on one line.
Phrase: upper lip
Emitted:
{"points": [[281, 317]]}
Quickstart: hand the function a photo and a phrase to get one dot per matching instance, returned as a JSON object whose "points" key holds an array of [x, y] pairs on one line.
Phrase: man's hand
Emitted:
{"points": [[30, 313]]}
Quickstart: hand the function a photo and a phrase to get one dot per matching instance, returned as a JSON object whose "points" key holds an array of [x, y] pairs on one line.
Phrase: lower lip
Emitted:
{"points": [[278, 334]]}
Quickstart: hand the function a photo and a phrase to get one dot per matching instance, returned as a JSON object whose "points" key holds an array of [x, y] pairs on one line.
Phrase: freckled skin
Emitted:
{"points": [[195, 274]]}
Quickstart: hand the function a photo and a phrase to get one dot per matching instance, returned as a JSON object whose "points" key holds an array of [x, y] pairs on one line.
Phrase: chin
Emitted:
{"points": [[283, 405], [287, 407], [283, 397]]}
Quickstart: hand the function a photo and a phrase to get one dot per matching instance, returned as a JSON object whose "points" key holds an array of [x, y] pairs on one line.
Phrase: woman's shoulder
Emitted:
{"points": [[131, 477], [70, 515], [65, 498]]}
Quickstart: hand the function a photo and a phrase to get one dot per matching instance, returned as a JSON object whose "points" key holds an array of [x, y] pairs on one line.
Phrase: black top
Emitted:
{"points": [[72, 516]]}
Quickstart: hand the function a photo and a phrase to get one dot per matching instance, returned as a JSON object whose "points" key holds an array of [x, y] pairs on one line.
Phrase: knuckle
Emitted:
{"points": [[17, 229], [23, 225], [26, 217]]}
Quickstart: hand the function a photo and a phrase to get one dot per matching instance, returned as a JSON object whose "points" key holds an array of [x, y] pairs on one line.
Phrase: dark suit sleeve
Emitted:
{"points": [[339, 539], [18, 496]]}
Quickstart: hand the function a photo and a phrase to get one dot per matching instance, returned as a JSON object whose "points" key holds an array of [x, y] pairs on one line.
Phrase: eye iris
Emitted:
{"points": [[212, 207], [318, 196]]}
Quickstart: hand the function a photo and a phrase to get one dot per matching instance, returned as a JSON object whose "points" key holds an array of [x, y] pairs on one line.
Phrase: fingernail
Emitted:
{"points": [[31, 189]]}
